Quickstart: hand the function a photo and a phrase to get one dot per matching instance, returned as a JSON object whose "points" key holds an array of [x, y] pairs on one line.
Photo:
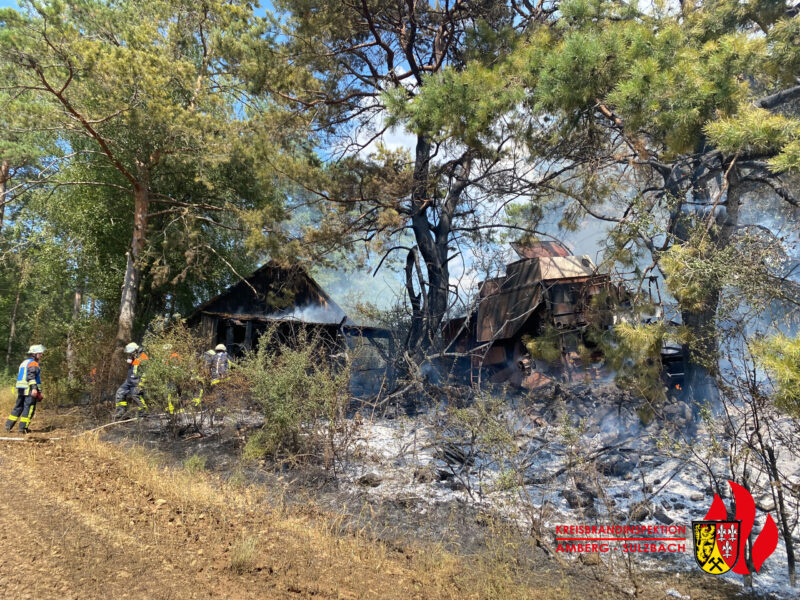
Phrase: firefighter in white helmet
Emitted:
{"points": [[220, 365], [29, 389], [132, 386]]}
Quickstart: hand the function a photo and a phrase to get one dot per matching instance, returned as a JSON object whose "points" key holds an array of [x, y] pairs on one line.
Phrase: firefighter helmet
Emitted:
{"points": [[221, 348], [132, 347]]}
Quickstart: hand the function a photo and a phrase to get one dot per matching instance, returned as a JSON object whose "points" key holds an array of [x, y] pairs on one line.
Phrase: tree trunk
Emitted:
{"points": [[77, 302], [704, 351], [432, 243], [420, 337], [417, 315], [13, 325], [5, 168], [133, 267], [783, 513]]}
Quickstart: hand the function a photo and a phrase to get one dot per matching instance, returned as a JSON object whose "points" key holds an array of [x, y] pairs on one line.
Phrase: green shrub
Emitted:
{"points": [[508, 479], [80, 368], [302, 396], [175, 378], [546, 347], [195, 463], [780, 356]]}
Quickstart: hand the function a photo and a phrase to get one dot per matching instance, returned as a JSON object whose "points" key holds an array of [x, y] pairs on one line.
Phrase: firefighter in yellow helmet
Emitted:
{"points": [[132, 386], [29, 389]]}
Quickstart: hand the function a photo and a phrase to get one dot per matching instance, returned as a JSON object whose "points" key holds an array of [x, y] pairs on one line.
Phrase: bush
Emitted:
{"points": [[302, 396], [195, 463], [8, 395], [175, 377], [81, 369], [780, 356]]}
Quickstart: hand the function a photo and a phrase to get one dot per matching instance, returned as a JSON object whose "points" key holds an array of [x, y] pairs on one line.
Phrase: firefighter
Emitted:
{"points": [[206, 373], [209, 357], [29, 390], [132, 387], [221, 364]]}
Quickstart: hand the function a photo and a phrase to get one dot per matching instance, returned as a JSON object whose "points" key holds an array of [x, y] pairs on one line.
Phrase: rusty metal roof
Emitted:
{"points": [[556, 267], [508, 301], [540, 249]]}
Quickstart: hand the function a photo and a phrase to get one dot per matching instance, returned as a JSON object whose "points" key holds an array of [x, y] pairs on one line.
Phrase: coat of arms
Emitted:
{"points": [[716, 545]]}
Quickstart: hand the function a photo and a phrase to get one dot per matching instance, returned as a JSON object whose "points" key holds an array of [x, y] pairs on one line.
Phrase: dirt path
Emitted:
{"points": [[64, 534]]}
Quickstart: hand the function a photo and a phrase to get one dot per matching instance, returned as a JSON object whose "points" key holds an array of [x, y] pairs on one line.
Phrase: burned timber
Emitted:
{"points": [[547, 292], [283, 299]]}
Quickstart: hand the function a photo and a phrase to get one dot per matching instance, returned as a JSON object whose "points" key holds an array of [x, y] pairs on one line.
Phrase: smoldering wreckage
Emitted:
{"points": [[547, 290], [402, 463]]}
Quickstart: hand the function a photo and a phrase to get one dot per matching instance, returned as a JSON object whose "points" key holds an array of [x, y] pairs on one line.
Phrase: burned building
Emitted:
{"points": [[546, 291], [284, 299], [291, 305]]}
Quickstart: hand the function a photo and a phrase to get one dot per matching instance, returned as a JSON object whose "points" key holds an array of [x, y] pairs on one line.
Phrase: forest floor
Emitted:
{"points": [[85, 518]]}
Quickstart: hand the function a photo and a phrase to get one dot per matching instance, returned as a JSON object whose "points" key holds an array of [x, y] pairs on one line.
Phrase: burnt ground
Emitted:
{"points": [[94, 529], [455, 525]]}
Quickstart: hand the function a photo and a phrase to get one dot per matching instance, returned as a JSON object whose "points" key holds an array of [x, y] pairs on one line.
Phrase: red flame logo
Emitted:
{"points": [[764, 544]]}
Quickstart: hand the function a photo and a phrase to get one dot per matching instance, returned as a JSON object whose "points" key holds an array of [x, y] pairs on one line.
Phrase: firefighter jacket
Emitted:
{"points": [[220, 366], [135, 368], [29, 376]]}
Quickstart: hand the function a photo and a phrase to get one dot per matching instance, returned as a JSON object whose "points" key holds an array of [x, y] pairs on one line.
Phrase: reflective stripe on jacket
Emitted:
{"points": [[221, 365]]}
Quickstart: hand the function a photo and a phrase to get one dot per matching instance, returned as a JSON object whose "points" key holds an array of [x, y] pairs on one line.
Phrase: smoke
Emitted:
{"points": [[310, 313], [349, 287]]}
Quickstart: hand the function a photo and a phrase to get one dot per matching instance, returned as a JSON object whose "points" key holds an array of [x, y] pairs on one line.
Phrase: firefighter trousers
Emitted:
{"points": [[22, 412], [129, 389]]}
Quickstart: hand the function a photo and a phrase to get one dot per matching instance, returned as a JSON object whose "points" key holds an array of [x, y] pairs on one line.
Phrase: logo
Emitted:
{"points": [[716, 545], [720, 543]]}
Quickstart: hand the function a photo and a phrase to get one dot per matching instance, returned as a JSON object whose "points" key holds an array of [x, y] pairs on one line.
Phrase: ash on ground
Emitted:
{"points": [[564, 455]]}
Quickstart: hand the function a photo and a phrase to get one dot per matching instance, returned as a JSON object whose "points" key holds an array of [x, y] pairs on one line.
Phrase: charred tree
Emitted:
{"points": [[365, 57]]}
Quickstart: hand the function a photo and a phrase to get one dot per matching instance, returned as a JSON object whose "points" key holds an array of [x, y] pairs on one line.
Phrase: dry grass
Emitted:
{"points": [[52, 419], [314, 551], [183, 525], [185, 489], [8, 397], [243, 555]]}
